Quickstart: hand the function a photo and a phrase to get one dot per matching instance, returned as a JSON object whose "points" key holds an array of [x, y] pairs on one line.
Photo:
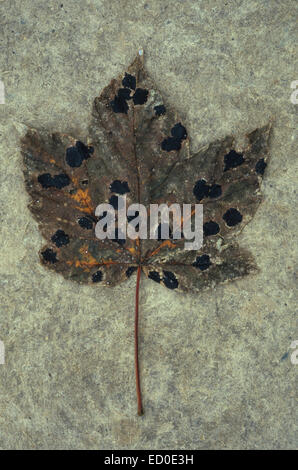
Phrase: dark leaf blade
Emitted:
{"points": [[138, 147], [61, 202], [82, 260], [230, 197], [204, 269], [134, 137]]}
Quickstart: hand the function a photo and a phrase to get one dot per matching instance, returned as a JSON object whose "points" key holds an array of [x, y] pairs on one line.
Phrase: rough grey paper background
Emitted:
{"points": [[216, 369]]}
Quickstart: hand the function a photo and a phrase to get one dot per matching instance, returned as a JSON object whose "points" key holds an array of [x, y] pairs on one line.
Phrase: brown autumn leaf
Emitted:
{"points": [[137, 146]]}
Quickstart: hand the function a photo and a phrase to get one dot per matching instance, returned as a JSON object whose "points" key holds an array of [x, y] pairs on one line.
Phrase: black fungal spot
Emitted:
{"points": [[233, 159], [129, 81], [170, 280], [119, 187], [114, 202], [202, 262], [174, 143], [140, 96], [154, 275], [160, 110], [117, 238], [130, 271], [84, 150], [232, 217], [170, 143], [124, 93], [165, 226], [210, 228], [75, 155], [201, 189], [179, 132], [214, 191], [49, 255], [60, 238], [97, 277], [85, 223], [260, 166], [119, 105], [57, 181]]}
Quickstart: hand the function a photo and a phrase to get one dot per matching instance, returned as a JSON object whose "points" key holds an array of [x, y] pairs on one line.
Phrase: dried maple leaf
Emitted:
{"points": [[137, 146]]}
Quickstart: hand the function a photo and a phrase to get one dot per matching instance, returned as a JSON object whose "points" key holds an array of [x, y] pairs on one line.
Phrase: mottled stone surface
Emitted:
{"points": [[216, 369]]}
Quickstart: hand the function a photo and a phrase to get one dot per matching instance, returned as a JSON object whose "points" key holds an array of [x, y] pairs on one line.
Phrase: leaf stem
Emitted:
{"points": [[137, 372]]}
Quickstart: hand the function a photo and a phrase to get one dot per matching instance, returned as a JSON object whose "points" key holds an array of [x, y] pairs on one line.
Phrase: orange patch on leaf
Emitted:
{"points": [[132, 250], [88, 261], [84, 199]]}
